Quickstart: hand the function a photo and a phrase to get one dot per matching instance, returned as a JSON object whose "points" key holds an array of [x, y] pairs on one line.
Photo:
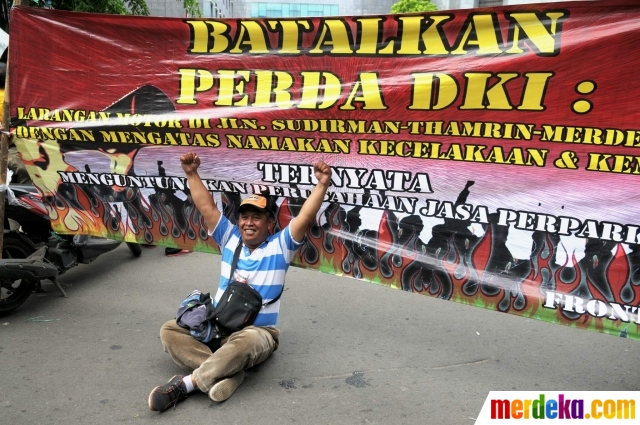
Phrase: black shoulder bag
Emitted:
{"points": [[240, 303]]}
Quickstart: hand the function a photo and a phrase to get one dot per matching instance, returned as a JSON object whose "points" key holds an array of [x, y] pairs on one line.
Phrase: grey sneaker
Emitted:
{"points": [[223, 389], [164, 396]]}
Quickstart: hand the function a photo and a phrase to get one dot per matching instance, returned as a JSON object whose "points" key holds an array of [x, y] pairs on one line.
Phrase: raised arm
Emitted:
{"points": [[199, 194], [312, 204]]}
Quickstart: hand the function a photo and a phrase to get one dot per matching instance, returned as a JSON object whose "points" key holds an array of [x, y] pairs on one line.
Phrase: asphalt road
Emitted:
{"points": [[351, 352]]}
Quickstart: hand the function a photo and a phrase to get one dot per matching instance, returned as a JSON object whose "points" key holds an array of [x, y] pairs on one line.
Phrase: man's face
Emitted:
{"points": [[254, 226]]}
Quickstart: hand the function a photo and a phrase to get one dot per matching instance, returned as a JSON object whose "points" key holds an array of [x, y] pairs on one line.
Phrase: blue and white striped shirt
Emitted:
{"points": [[264, 268]]}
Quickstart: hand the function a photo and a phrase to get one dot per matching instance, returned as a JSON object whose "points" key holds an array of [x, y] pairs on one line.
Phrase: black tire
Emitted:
{"points": [[14, 293], [135, 249], [15, 247]]}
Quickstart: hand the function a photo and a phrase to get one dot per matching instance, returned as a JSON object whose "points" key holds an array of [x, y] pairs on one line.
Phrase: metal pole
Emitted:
{"points": [[4, 139]]}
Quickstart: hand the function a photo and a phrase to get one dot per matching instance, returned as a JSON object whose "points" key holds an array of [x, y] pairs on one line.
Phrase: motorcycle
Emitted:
{"points": [[32, 251]]}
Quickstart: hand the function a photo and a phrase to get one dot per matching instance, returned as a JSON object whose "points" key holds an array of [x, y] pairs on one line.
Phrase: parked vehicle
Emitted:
{"points": [[32, 252]]}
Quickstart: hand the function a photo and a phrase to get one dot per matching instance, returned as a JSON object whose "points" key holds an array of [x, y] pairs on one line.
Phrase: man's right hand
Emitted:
{"points": [[190, 162], [200, 196]]}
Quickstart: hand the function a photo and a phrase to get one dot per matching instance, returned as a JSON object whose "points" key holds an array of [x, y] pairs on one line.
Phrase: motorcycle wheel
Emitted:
{"points": [[14, 293], [135, 249]]}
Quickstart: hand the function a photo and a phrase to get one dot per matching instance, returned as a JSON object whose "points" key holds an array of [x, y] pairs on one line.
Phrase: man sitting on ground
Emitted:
{"points": [[263, 263]]}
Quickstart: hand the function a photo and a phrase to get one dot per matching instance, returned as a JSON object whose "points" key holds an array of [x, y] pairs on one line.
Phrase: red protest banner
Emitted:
{"points": [[482, 156]]}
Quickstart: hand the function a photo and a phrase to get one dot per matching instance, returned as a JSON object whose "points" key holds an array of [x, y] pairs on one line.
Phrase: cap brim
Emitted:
{"points": [[251, 206]]}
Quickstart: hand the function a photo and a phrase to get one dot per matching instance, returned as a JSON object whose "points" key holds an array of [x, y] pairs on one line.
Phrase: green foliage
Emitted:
{"points": [[117, 7], [408, 6], [192, 8]]}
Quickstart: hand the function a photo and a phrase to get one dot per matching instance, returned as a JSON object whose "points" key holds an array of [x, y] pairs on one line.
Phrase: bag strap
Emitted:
{"points": [[236, 256], [276, 298], [234, 263]]}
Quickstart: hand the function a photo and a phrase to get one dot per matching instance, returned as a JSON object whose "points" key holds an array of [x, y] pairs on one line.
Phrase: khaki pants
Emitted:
{"points": [[242, 350]]}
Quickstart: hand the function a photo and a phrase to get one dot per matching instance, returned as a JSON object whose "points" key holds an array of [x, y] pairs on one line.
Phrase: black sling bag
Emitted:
{"points": [[240, 303]]}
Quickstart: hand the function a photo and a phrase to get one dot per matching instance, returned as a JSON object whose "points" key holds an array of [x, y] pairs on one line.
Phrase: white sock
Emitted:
{"points": [[188, 383]]}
